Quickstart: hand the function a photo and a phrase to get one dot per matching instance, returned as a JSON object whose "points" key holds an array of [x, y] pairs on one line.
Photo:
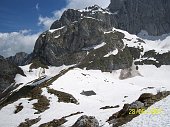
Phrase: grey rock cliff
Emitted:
{"points": [[7, 73], [20, 58], [136, 15], [73, 38]]}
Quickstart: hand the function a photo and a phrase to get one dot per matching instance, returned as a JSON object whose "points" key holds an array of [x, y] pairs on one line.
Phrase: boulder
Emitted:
{"points": [[145, 96], [86, 121], [88, 93]]}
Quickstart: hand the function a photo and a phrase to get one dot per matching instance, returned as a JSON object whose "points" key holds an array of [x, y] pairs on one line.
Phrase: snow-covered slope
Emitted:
{"points": [[109, 89], [158, 43], [39, 73]]}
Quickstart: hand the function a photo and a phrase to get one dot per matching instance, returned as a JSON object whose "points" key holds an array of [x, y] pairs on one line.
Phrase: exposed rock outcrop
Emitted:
{"points": [[130, 15], [83, 38], [95, 12], [54, 123], [151, 57], [29, 122], [86, 121], [8, 73], [130, 111], [72, 38]]}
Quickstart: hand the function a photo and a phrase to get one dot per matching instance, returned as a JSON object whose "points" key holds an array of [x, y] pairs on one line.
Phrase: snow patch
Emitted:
{"points": [[53, 30], [114, 52], [9, 119], [57, 36], [94, 47]]}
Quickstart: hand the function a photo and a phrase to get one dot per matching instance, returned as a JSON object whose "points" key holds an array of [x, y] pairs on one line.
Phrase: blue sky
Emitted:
{"points": [[16, 15], [22, 21]]}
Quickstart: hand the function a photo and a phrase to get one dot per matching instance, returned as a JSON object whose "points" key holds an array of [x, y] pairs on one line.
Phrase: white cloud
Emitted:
{"points": [[37, 6], [74, 4], [22, 41], [46, 21], [79, 4]]}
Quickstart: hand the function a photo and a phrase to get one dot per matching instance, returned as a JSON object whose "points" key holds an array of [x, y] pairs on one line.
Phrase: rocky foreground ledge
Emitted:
{"points": [[145, 101]]}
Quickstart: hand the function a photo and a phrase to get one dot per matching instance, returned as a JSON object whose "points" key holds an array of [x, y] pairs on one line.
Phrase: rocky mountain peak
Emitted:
{"points": [[72, 39], [72, 15], [80, 37], [20, 58]]}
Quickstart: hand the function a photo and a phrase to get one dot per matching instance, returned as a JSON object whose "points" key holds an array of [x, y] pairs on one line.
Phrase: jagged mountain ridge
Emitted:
{"points": [[130, 15], [75, 42], [73, 37]]}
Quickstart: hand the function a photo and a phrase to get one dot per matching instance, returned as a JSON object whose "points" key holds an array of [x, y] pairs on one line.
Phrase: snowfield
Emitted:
{"points": [[9, 119], [109, 89], [158, 43]]}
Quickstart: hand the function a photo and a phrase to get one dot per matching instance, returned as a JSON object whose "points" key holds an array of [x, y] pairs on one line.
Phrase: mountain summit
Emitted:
{"points": [[85, 37]]}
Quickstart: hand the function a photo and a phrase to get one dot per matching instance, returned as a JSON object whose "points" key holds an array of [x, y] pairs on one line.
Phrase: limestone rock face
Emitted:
{"points": [[74, 37], [136, 15], [83, 38], [95, 11]]}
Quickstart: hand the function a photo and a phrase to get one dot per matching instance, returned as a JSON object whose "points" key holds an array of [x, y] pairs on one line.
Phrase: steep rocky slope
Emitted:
{"points": [[7, 74], [84, 37], [83, 41]]}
